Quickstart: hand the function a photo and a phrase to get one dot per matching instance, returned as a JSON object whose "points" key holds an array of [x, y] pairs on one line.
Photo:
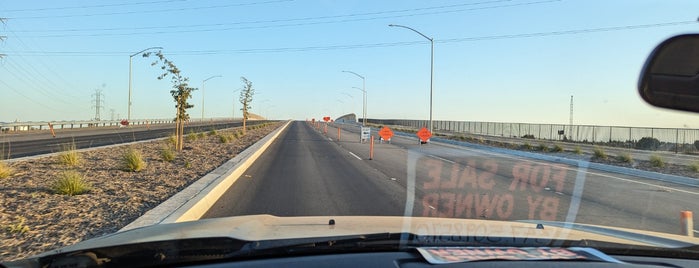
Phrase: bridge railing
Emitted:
{"points": [[44, 125]]}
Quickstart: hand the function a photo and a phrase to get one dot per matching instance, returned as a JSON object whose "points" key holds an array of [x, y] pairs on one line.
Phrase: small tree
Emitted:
{"points": [[181, 92], [246, 94]]}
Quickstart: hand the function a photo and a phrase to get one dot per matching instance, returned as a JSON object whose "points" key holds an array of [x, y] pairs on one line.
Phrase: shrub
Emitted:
{"points": [[213, 132], [657, 161], [528, 136], [527, 146], [201, 135], [557, 148], [5, 170], [542, 147], [187, 164], [223, 138], [70, 182], [69, 156], [132, 160], [577, 150], [167, 153], [625, 157], [599, 153], [18, 228], [191, 136], [172, 139], [648, 143], [694, 167]]}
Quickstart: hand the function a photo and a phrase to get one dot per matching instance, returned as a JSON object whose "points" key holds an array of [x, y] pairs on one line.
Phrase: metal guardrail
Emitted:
{"points": [[670, 139], [44, 125]]}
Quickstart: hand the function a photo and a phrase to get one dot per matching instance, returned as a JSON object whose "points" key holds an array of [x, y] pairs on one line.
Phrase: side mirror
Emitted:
{"points": [[670, 77]]}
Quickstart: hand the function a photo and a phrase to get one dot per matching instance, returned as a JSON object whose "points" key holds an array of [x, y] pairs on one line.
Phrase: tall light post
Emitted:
{"points": [[363, 89], [431, 63], [202, 94], [130, 59]]}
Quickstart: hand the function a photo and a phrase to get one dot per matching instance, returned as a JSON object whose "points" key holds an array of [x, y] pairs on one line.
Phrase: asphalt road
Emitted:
{"points": [[305, 174], [309, 172], [37, 144]]}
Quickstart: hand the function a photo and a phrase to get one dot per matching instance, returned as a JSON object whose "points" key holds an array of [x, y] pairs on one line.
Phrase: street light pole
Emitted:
{"points": [[363, 91], [431, 64], [202, 95], [130, 59]]}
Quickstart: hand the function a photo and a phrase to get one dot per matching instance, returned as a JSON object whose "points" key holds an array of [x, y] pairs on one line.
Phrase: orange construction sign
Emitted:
{"points": [[424, 134], [386, 133]]}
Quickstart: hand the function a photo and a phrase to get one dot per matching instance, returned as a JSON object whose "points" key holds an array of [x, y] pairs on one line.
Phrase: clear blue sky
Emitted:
{"points": [[59, 52]]}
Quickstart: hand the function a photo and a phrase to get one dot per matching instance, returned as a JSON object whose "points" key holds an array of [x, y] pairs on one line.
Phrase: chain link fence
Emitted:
{"points": [[666, 139]]}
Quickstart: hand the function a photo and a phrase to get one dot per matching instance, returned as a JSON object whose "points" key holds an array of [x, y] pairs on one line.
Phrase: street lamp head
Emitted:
{"points": [[360, 89], [416, 31], [212, 77], [362, 77], [134, 54]]}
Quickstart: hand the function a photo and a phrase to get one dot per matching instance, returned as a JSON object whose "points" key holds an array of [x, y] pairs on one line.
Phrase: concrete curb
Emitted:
{"points": [[191, 203]]}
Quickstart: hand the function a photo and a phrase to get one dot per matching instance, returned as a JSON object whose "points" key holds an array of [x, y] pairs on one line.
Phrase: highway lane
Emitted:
{"points": [[537, 187], [307, 172], [43, 144]]}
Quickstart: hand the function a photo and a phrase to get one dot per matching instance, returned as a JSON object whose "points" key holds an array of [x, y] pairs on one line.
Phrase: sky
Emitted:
{"points": [[494, 60]]}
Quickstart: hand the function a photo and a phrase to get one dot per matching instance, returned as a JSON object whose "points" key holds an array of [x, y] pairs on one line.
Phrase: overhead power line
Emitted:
{"points": [[163, 10], [364, 46], [294, 22], [93, 6], [566, 32], [268, 21]]}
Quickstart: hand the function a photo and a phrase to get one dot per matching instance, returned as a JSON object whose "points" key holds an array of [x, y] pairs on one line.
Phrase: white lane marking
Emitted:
{"points": [[330, 139], [565, 166], [443, 159], [355, 155], [645, 183]]}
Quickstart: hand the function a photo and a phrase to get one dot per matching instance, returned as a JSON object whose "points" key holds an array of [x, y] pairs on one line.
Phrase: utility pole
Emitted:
{"points": [[97, 103]]}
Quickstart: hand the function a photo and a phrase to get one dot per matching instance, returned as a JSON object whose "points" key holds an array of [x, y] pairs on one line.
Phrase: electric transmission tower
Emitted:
{"points": [[98, 103]]}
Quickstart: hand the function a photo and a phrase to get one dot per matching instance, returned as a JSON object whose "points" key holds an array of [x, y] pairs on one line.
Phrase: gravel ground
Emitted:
{"points": [[117, 196]]}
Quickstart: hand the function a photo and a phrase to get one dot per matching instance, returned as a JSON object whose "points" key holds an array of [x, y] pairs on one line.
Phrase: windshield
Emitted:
{"points": [[119, 115]]}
